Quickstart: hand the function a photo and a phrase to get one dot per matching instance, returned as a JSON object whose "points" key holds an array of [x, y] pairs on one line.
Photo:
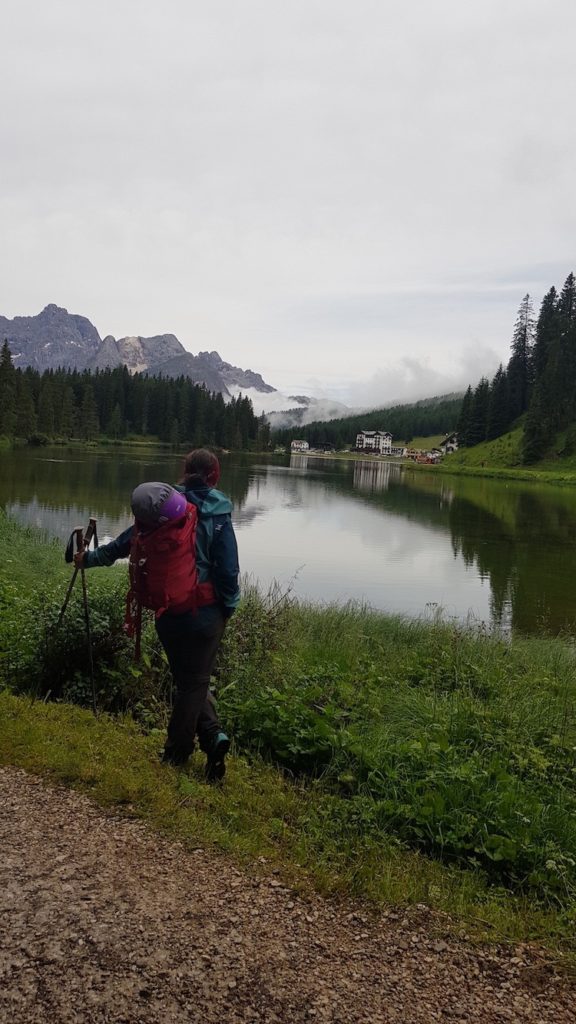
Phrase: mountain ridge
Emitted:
{"points": [[55, 338]]}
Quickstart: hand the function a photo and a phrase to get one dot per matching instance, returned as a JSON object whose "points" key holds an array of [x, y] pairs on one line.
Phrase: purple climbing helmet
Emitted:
{"points": [[156, 503]]}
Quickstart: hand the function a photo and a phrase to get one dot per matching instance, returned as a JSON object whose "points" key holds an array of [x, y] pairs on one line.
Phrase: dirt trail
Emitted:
{"points": [[102, 920]]}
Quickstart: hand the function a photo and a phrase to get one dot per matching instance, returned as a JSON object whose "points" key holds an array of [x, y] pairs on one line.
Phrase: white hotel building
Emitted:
{"points": [[379, 441]]}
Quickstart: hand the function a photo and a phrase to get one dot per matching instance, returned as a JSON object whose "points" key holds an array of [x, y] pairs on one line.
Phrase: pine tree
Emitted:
{"points": [[183, 410], [566, 373], [464, 419], [538, 431], [144, 414], [567, 302], [263, 435], [116, 426], [245, 416], [25, 411], [229, 427], [520, 365], [89, 423], [68, 414], [46, 417], [199, 424], [479, 413], [7, 392], [104, 386], [174, 433], [556, 356], [547, 330], [498, 406]]}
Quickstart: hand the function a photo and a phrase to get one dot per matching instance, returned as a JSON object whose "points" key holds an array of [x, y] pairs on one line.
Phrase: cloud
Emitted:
{"points": [[412, 379], [315, 189]]}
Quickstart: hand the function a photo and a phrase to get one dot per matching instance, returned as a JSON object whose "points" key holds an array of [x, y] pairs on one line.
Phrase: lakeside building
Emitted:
{"points": [[299, 446], [449, 444], [420, 455], [374, 441]]}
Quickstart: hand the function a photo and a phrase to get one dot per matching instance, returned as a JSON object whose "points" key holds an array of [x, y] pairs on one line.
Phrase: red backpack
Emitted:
{"points": [[163, 573]]}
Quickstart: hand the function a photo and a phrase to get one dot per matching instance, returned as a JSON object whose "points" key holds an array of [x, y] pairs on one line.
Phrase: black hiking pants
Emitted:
{"points": [[191, 643]]}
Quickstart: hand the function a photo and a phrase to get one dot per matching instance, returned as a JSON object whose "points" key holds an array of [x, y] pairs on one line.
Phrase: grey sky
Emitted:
{"points": [[349, 197]]}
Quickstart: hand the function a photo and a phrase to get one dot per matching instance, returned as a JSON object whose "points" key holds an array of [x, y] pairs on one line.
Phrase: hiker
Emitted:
{"points": [[190, 636]]}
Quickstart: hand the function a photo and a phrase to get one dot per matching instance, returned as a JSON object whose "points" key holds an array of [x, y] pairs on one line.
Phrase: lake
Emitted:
{"points": [[400, 539]]}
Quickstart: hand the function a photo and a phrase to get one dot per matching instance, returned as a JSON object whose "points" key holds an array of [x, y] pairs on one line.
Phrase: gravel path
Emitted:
{"points": [[102, 920]]}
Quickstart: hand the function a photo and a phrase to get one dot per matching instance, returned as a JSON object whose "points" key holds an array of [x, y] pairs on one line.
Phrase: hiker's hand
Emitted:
{"points": [[79, 559]]}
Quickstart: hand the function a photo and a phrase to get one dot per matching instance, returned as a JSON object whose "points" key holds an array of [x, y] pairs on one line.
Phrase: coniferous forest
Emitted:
{"points": [[68, 404], [538, 384]]}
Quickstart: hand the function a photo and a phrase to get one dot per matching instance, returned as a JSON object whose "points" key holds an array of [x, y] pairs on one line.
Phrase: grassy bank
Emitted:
{"points": [[398, 761], [130, 442], [102, 441], [557, 474], [502, 458]]}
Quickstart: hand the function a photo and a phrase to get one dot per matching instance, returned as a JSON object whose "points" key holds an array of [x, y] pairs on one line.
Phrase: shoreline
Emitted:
{"points": [[565, 477], [557, 477]]}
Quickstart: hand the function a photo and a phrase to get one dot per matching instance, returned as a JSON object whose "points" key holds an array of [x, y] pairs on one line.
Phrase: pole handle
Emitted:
{"points": [[82, 540], [91, 533]]}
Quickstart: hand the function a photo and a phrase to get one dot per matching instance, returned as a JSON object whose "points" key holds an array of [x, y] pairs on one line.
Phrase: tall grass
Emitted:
{"points": [[459, 743]]}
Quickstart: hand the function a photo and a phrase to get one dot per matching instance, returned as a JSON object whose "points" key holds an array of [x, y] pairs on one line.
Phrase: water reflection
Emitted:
{"points": [[403, 540], [523, 542], [57, 494], [374, 476], [299, 462]]}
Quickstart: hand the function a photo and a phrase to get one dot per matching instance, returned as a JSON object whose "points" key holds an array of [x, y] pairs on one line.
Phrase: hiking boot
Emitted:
{"points": [[215, 764]]}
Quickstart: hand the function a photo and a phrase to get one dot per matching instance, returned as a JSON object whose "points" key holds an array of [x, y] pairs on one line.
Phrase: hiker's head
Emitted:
{"points": [[154, 503], [201, 469]]}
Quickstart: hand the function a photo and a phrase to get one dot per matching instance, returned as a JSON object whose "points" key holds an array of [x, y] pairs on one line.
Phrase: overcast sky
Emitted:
{"points": [[349, 197]]}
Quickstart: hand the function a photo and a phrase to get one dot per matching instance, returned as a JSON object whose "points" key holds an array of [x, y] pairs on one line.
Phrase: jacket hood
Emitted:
{"points": [[208, 500]]}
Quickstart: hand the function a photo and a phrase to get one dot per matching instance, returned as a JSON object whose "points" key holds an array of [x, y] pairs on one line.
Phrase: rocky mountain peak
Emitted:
{"points": [[56, 338], [52, 308]]}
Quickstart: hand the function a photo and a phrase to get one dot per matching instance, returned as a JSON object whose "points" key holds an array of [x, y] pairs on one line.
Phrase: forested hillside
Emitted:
{"points": [[421, 419], [71, 404], [538, 384]]}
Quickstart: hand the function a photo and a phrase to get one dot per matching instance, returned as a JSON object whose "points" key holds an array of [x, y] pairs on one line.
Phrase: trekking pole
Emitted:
{"points": [[83, 541], [81, 546], [86, 540]]}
